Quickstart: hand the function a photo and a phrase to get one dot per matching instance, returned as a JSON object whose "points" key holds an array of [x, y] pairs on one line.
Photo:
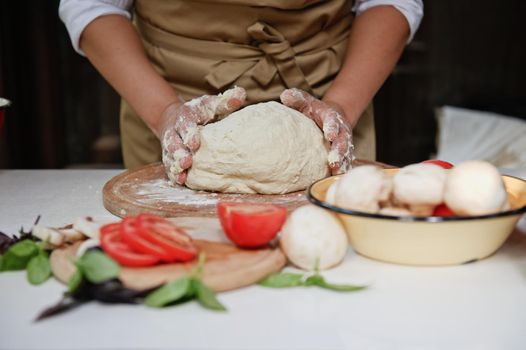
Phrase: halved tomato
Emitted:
{"points": [[111, 242], [441, 163], [167, 236], [251, 225]]}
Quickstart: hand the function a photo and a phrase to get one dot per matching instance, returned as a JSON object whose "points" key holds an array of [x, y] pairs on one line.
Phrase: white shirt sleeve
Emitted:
{"points": [[77, 14], [413, 11]]}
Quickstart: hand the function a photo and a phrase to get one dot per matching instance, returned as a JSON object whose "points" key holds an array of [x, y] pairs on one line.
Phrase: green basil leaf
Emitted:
{"points": [[206, 296], [12, 262], [169, 293], [314, 280], [317, 280], [25, 248], [282, 280], [38, 269], [75, 281], [97, 267]]}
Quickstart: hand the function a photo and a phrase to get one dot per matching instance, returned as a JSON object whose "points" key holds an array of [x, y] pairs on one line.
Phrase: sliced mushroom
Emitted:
{"points": [[48, 235], [87, 244], [87, 226]]}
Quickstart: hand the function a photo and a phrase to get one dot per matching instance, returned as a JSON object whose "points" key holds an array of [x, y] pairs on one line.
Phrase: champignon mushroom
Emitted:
{"points": [[475, 188], [313, 238], [363, 188], [420, 187], [330, 196], [49, 235]]}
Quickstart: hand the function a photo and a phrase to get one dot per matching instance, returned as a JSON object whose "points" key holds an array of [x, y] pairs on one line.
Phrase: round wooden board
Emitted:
{"points": [[147, 189], [226, 267]]}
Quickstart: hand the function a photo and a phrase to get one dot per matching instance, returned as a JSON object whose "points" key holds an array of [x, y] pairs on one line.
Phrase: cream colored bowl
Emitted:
{"points": [[426, 240]]}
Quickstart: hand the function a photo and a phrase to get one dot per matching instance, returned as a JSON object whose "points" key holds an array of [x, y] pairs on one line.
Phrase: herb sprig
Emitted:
{"points": [[289, 280], [30, 256], [185, 289]]}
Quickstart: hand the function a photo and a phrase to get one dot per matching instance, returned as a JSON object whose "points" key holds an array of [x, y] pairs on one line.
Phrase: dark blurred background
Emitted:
{"points": [[466, 53]]}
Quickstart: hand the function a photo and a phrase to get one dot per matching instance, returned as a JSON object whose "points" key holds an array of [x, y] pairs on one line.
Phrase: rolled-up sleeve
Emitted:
{"points": [[77, 14], [413, 11]]}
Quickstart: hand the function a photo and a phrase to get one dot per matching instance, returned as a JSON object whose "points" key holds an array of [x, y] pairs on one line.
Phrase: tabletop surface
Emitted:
{"points": [[480, 305]]}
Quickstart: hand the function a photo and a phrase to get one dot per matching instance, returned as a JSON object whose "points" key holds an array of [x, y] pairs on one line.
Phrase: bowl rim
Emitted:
{"points": [[339, 210]]}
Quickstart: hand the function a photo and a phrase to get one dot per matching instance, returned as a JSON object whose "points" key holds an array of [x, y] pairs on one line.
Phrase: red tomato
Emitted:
{"points": [[251, 225], [167, 236], [442, 163], [443, 210], [111, 242], [130, 235]]}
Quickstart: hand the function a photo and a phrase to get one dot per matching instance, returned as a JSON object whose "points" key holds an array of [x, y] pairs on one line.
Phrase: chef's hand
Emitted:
{"points": [[330, 118], [179, 133]]}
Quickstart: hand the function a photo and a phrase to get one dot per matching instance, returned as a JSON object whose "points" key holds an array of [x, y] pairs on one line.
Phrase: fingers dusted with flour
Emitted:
{"points": [[331, 120], [179, 132]]}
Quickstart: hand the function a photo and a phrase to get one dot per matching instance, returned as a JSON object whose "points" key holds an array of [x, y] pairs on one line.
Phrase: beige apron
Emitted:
{"points": [[265, 46]]}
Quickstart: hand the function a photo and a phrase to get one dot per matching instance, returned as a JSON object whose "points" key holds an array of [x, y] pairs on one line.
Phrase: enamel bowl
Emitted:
{"points": [[426, 240]]}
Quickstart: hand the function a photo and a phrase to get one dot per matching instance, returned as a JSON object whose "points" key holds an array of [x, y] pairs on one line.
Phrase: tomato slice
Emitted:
{"points": [[111, 242], [441, 163], [443, 210], [251, 225], [166, 235], [130, 235]]}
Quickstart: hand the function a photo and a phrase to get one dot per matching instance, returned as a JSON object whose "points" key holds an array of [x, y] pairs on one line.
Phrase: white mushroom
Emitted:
{"points": [[313, 236], [87, 226], [420, 187], [475, 188], [48, 235], [363, 189], [87, 244], [330, 196], [71, 235]]}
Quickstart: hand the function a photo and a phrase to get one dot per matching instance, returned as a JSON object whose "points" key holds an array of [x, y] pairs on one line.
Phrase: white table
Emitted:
{"points": [[476, 306]]}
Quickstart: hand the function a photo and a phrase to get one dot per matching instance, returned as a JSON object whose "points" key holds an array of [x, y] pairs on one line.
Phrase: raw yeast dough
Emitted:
{"points": [[265, 148]]}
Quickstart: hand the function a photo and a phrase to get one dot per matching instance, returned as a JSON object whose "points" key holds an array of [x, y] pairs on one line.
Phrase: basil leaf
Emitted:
{"points": [[25, 248], [169, 293], [75, 281], [317, 280], [314, 280], [97, 267], [38, 269], [206, 296], [282, 280], [12, 262]]}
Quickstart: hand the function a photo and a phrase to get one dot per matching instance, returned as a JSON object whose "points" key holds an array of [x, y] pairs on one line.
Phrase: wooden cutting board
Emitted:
{"points": [[226, 266], [147, 189]]}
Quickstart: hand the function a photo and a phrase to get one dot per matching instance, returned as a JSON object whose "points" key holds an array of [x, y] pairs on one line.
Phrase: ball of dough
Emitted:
{"points": [[311, 236], [475, 188], [420, 186], [363, 189], [265, 148]]}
